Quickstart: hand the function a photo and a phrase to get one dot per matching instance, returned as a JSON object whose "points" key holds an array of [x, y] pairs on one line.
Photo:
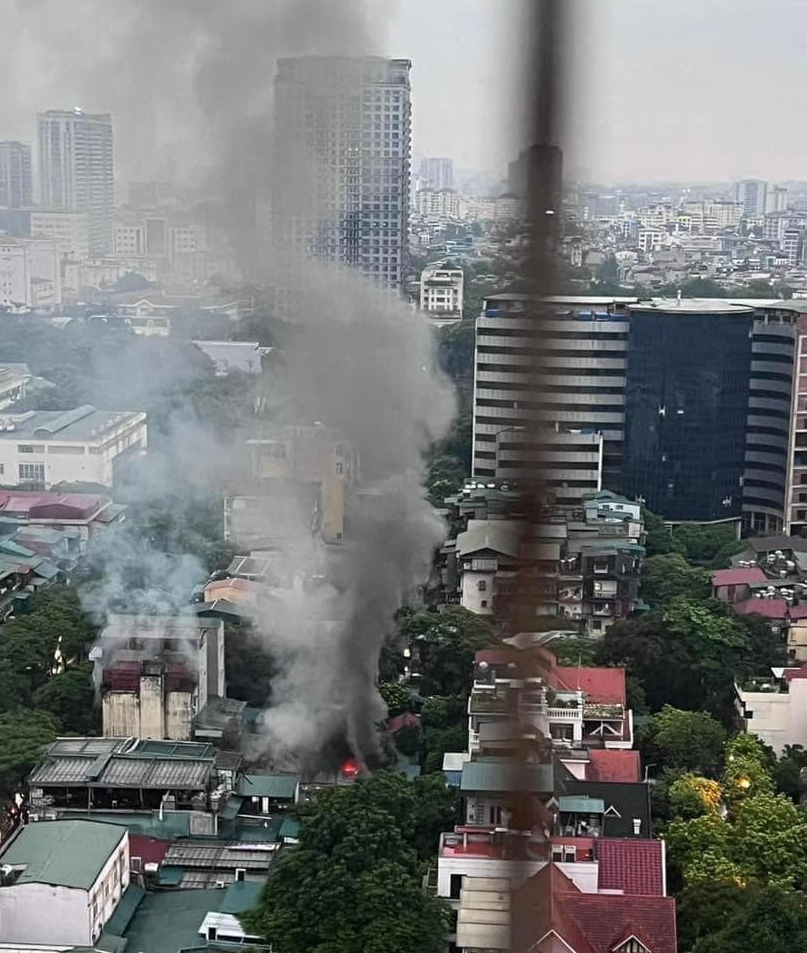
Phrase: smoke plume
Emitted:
{"points": [[190, 87]]}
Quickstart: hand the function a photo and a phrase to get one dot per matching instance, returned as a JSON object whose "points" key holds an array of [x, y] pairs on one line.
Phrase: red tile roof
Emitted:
{"points": [[404, 720], [607, 764], [634, 866], [790, 673], [738, 577], [770, 608], [495, 656], [150, 850], [589, 923], [605, 686]]}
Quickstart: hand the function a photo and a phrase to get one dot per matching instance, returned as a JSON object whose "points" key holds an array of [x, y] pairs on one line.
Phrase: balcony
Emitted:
{"points": [[605, 712], [562, 713]]}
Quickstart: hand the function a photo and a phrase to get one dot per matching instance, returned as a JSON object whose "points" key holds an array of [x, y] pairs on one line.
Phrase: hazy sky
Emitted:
{"points": [[697, 90]]}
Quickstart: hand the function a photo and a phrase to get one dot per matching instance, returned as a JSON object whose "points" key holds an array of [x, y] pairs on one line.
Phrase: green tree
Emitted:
{"points": [[684, 656], [709, 546], [704, 909], [668, 576], [443, 712], [692, 796], [787, 771], [70, 699], [24, 734], [659, 537], [435, 812], [765, 920], [747, 773], [690, 741], [353, 882], [446, 475], [445, 644], [437, 741], [397, 698]]}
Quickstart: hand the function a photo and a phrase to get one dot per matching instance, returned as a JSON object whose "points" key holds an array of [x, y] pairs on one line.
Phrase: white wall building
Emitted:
{"points": [[751, 194], [441, 290], [25, 264], [43, 448], [775, 709], [62, 882], [69, 231], [441, 204]]}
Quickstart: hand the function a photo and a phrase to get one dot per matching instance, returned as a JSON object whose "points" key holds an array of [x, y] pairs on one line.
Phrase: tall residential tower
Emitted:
{"points": [[341, 163], [75, 169], [15, 175]]}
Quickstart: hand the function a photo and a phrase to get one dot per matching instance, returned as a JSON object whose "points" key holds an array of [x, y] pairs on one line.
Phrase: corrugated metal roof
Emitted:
{"points": [[64, 853], [268, 785], [497, 775], [60, 771], [124, 771]]}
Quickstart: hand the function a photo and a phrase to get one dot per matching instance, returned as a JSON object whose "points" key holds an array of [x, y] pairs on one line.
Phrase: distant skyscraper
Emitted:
{"points": [[75, 169], [437, 173], [15, 175], [751, 194], [341, 163], [776, 200]]}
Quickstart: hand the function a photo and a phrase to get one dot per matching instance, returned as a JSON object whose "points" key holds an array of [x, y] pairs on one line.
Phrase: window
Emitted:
{"points": [[32, 472], [30, 448], [631, 945], [483, 603], [482, 585], [495, 815], [456, 886]]}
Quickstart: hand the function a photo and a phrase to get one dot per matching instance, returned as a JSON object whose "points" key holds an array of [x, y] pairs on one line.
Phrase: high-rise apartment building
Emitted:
{"points": [[776, 200], [752, 196], [437, 173], [76, 171], [340, 188], [15, 175]]}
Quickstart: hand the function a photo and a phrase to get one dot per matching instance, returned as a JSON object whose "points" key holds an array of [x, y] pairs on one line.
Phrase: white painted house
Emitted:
{"points": [[61, 881]]}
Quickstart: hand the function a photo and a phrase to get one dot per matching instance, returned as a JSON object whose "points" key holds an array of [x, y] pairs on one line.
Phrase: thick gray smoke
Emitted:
{"points": [[190, 82]]}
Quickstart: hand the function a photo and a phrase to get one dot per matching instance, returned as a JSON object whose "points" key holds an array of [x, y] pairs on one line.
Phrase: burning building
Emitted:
{"points": [[156, 673]]}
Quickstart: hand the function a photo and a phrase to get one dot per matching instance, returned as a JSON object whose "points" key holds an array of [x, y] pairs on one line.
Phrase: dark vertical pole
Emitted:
{"points": [[532, 760]]}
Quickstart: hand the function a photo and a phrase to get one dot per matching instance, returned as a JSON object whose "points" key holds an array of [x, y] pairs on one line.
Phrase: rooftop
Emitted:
{"points": [[85, 424], [608, 764], [268, 785], [496, 775], [635, 867], [499, 536], [738, 577], [691, 306], [67, 853], [169, 921]]}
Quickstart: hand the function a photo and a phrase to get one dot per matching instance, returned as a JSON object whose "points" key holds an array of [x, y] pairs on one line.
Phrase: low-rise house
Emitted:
{"points": [[734, 585], [61, 881], [126, 774]]}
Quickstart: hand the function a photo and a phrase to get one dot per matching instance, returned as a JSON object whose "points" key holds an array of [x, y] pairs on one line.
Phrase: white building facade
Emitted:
{"points": [[44, 448], [66, 878]]}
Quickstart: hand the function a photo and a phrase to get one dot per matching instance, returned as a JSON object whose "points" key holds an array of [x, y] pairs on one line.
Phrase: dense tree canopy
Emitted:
{"points": [[69, 698], [445, 644], [683, 740], [668, 576], [23, 736], [353, 883]]}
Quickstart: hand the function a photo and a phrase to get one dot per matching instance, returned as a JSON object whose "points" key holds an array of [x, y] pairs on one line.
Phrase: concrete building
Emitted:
{"points": [[342, 162], [76, 169], [15, 175], [157, 674], [69, 231], [243, 356], [774, 708], [441, 289], [437, 173], [14, 379], [751, 195], [62, 881], [584, 343], [85, 445], [437, 204], [30, 274], [776, 199]]}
